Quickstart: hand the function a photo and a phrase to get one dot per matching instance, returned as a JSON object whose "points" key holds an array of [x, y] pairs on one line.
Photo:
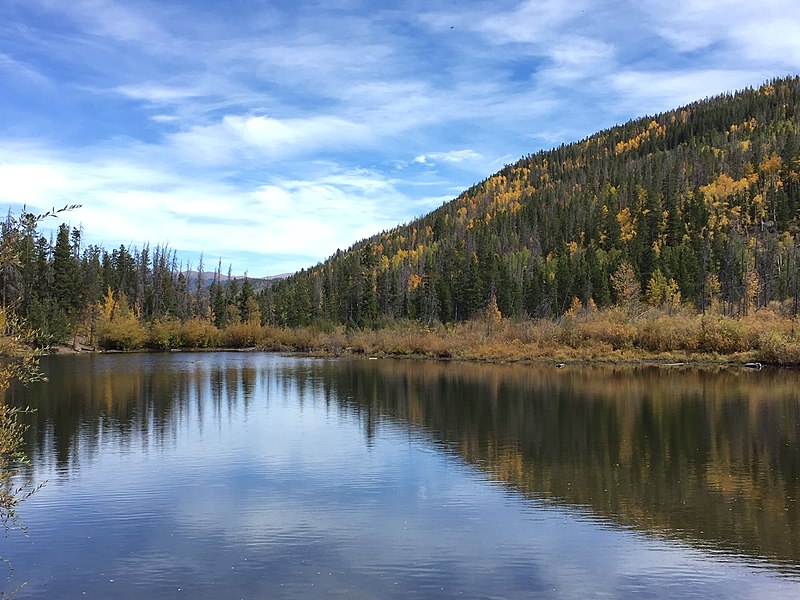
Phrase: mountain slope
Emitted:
{"points": [[699, 204]]}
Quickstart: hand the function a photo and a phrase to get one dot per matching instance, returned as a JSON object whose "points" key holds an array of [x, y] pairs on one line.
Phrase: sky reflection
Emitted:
{"points": [[270, 476]]}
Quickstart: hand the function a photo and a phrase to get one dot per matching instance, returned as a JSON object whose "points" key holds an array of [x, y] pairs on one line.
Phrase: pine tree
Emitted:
{"points": [[66, 286]]}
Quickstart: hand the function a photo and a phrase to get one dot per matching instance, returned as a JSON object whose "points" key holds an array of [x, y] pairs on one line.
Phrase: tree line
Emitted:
{"points": [[63, 289]]}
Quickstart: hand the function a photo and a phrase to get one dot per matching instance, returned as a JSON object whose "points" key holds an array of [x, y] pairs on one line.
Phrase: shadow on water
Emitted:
{"points": [[711, 458]]}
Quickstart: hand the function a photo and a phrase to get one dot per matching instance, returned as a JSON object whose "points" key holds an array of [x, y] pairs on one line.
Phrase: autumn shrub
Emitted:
{"points": [[286, 339], [568, 332], [121, 334], [304, 339], [273, 338], [434, 344], [465, 338], [778, 348], [396, 341], [668, 333], [196, 333], [403, 339], [583, 333], [499, 349], [769, 320], [242, 335], [370, 341], [524, 330], [165, 334], [606, 327], [783, 308], [724, 335], [542, 331], [334, 341]]}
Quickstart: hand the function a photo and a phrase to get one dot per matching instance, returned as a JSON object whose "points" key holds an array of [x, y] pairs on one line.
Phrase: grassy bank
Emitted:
{"points": [[766, 336]]}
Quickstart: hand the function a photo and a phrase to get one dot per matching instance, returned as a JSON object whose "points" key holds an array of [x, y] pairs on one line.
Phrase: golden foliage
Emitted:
{"points": [[652, 130], [627, 224], [771, 165], [121, 334], [723, 187], [572, 248], [662, 292]]}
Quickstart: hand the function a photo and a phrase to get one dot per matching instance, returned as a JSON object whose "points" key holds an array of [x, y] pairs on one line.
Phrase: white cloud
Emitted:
{"points": [[772, 41], [302, 119], [453, 157], [268, 137], [655, 91], [532, 22], [334, 209], [116, 20], [765, 32], [155, 92], [125, 201], [29, 183]]}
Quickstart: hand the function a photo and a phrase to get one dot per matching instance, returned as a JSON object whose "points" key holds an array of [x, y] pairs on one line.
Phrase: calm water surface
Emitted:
{"points": [[230, 475]]}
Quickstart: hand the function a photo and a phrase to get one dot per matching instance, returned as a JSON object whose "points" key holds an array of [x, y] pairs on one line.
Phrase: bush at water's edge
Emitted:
{"points": [[581, 334]]}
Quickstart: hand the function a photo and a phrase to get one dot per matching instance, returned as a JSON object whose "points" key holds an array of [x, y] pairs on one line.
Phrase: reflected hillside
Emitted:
{"points": [[712, 458]]}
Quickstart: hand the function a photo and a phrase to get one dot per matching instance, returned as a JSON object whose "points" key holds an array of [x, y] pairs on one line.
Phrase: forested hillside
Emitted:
{"points": [[689, 210], [696, 205]]}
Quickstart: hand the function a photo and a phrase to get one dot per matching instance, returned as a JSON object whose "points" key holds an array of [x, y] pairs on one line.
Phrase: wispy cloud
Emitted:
{"points": [[158, 93], [530, 22], [269, 137], [454, 156], [108, 18], [279, 133], [125, 202], [18, 70], [662, 90]]}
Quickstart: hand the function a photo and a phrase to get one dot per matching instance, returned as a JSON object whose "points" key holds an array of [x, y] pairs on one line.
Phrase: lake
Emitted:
{"points": [[250, 475]]}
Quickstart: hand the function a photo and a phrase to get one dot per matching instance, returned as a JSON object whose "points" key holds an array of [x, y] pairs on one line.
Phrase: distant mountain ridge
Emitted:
{"points": [[209, 277], [698, 205]]}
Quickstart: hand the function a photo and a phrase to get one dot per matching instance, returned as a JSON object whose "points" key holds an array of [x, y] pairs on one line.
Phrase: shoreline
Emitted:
{"points": [[557, 360], [611, 336]]}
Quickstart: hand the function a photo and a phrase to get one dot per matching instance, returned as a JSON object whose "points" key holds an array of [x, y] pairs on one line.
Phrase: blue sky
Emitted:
{"points": [[269, 134]]}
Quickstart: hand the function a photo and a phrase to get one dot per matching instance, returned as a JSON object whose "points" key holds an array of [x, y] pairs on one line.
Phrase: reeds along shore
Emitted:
{"points": [[768, 336]]}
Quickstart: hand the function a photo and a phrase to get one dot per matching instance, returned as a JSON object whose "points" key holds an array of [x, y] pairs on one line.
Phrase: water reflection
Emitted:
{"points": [[708, 457]]}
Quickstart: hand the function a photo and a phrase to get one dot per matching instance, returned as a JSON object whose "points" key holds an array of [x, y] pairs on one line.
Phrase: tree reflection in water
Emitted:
{"points": [[710, 457]]}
